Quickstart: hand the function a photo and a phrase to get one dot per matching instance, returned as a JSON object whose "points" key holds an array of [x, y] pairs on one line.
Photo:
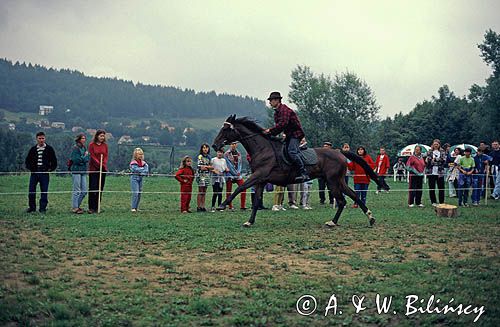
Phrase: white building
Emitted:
{"points": [[58, 124], [45, 110]]}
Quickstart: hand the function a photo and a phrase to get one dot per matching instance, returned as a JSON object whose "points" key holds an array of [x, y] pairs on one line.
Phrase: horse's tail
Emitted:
{"points": [[360, 161]]}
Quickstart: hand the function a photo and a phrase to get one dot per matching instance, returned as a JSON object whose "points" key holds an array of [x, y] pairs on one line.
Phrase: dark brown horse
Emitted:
{"points": [[268, 167]]}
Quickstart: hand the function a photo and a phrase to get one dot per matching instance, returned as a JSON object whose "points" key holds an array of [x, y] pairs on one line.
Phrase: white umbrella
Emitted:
{"points": [[463, 146], [409, 149]]}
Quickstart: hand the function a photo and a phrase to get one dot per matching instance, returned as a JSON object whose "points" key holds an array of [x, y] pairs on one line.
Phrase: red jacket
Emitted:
{"points": [[383, 164], [95, 151], [185, 173], [360, 176]]}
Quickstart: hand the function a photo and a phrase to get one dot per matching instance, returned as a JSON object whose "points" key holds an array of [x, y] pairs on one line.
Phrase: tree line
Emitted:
{"points": [[343, 108]]}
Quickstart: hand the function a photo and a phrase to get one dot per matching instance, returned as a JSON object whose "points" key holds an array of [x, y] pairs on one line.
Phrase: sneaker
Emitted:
{"points": [[30, 210], [79, 211], [134, 210], [213, 209], [308, 208], [185, 212], [421, 205], [434, 204], [91, 211], [243, 209], [453, 195], [293, 206], [377, 192], [203, 209], [494, 196], [198, 209], [282, 208], [275, 208], [466, 204], [189, 211], [411, 205], [475, 204]]}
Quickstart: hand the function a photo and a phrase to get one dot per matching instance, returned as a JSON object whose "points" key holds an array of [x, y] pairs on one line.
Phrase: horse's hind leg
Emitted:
{"points": [[350, 193], [335, 188]]}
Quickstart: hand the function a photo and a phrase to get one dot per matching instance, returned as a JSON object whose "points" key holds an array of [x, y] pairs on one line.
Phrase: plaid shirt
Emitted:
{"points": [[287, 122]]}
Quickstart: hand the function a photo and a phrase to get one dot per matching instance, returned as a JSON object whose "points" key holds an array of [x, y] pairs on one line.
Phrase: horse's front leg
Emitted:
{"points": [[259, 190], [251, 181]]}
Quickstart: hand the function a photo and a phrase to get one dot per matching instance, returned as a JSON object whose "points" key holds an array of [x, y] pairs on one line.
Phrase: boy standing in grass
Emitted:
{"points": [[466, 167]]}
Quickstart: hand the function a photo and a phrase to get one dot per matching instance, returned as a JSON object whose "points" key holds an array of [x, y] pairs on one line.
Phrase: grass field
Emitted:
{"points": [[158, 267]]}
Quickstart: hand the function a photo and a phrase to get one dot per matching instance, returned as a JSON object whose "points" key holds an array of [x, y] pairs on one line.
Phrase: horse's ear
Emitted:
{"points": [[232, 118], [228, 119]]}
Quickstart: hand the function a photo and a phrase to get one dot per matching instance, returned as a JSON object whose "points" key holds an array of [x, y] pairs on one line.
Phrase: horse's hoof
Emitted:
{"points": [[372, 221], [330, 224], [247, 224]]}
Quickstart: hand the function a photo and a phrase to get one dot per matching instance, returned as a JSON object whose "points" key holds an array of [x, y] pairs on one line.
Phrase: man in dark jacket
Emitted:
{"points": [[287, 121], [41, 159]]}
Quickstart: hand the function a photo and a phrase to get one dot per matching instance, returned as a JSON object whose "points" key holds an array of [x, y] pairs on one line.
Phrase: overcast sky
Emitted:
{"points": [[405, 50]]}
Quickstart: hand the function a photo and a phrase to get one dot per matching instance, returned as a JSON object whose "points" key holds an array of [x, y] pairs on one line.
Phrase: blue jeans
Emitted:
{"points": [[464, 183], [496, 190], [43, 179], [292, 146], [477, 187], [79, 189], [136, 186], [361, 190]]}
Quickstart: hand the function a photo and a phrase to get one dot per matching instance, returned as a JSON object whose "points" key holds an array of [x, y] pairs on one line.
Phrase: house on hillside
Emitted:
{"points": [[76, 129], [12, 126], [146, 138], [58, 124], [42, 123], [125, 139], [45, 110]]}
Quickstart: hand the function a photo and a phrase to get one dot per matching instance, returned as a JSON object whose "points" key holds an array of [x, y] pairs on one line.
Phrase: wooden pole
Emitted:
{"points": [[99, 193], [486, 186]]}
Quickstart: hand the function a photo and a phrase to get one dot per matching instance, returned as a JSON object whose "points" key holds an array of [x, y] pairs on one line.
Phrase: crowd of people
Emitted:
{"points": [[459, 169]]}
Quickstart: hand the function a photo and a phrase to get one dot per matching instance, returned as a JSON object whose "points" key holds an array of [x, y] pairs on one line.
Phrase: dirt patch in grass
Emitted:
{"points": [[152, 269]]}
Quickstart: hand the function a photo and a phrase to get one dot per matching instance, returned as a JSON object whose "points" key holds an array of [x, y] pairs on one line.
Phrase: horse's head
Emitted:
{"points": [[227, 134]]}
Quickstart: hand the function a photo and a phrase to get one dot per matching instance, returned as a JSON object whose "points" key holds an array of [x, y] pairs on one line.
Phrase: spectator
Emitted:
{"points": [[416, 167], [304, 188], [279, 196], [234, 163], [41, 159], [203, 176], [495, 168], [382, 165], [260, 205], [322, 181], [79, 160], [466, 167], [185, 177], [139, 168], [481, 162], [361, 179], [218, 177], [98, 149], [399, 168], [453, 171], [435, 163]]}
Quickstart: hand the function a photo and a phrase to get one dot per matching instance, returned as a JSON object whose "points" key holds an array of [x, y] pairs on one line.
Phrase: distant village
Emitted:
{"points": [[44, 122]]}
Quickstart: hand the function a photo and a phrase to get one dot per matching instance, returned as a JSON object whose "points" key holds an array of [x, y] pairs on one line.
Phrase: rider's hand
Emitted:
{"points": [[267, 131]]}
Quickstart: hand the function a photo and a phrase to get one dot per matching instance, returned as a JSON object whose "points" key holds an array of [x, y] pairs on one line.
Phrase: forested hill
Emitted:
{"points": [[24, 87]]}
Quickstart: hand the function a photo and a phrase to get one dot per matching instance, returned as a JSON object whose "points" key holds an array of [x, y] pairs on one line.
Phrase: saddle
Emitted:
{"points": [[308, 156]]}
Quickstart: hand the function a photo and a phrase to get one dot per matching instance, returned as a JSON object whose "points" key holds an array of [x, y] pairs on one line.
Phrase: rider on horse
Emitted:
{"points": [[287, 121]]}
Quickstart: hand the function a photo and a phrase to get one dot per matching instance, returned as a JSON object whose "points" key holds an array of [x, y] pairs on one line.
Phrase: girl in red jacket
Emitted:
{"points": [[185, 176], [361, 180], [381, 167]]}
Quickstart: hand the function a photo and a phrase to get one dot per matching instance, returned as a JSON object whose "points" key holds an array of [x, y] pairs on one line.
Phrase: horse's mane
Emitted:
{"points": [[252, 125]]}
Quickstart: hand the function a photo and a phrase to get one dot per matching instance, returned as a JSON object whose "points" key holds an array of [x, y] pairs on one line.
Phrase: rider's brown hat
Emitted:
{"points": [[274, 95]]}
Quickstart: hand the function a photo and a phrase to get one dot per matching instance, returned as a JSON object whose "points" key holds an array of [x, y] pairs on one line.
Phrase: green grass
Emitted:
{"points": [[17, 116], [158, 267]]}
